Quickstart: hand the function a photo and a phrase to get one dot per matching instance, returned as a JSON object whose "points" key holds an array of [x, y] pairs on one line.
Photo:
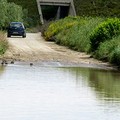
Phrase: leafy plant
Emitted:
{"points": [[58, 26], [9, 12], [115, 56], [106, 48], [77, 37], [105, 31]]}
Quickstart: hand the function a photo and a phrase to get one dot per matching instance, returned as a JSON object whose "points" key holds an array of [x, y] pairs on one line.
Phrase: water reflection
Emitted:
{"points": [[46, 93], [106, 84], [2, 68]]}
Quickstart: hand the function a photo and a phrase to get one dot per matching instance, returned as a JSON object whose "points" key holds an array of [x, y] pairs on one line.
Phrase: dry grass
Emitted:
{"points": [[3, 43], [2, 36]]}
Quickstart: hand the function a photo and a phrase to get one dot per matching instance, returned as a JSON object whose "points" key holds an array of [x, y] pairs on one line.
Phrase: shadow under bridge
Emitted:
{"points": [[55, 9]]}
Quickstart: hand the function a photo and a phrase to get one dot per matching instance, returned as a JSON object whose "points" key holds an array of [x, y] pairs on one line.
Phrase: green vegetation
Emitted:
{"points": [[83, 7], [105, 31], [106, 8], [76, 34], [98, 36], [59, 26], [30, 7], [3, 43], [9, 12], [103, 8], [92, 33], [77, 37]]}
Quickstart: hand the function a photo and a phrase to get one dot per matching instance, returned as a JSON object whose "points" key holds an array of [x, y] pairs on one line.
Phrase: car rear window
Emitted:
{"points": [[17, 25]]}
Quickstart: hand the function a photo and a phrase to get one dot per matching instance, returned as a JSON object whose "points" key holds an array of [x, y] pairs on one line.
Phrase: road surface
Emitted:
{"points": [[35, 48]]}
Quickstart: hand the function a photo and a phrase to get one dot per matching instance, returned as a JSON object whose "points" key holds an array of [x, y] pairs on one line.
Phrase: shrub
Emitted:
{"points": [[58, 26], [77, 37], [32, 19], [105, 49], [105, 31], [115, 56], [9, 12]]}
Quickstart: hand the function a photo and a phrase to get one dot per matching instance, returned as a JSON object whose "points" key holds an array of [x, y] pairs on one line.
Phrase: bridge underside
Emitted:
{"points": [[62, 9]]}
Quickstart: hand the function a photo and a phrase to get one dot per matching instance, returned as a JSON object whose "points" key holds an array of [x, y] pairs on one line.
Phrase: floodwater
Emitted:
{"points": [[58, 93]]}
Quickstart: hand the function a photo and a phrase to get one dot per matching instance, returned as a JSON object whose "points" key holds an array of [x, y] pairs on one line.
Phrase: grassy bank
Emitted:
{"points": [[97, 36], [3, 43]]}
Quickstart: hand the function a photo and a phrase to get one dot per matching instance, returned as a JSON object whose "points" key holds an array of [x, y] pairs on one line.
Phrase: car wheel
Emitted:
{"points": [[8, 35], [24, 36]]}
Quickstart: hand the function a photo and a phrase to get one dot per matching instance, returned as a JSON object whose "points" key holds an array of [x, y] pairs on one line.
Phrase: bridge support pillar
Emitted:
{"points": [[58, 13], [72, 11]]}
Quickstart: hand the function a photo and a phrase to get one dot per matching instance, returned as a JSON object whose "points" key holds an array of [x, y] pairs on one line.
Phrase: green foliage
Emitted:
{"points": [[3, 12], [106, 8], [115, 56], [9, 12], [86, 31], [14, 12], [77, 37], [58, 26], [30, 8], [105, 31], [73, 32], [105, 49], [3, 47]]}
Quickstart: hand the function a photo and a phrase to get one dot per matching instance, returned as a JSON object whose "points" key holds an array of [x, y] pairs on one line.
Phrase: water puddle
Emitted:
{"points": [[43, 92]]}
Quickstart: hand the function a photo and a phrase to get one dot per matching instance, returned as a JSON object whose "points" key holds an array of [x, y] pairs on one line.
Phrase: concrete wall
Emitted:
{"points": [[69, 3]]}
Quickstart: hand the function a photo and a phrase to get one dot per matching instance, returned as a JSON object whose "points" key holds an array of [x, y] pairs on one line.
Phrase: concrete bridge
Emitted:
{"points": [[63, 6]]}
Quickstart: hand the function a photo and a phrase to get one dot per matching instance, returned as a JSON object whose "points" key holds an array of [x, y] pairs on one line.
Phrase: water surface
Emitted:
{"points": [[52, 93]]}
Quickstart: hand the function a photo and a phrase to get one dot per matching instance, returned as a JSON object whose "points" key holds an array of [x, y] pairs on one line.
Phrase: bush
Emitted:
{"points": [[115, 56], [9, 12], [32, 19], [106, 48], [105, 31], [58, 26], [77, 37]]}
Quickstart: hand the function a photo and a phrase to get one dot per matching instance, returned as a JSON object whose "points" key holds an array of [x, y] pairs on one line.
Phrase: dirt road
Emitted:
{"points": [[35, 48]]}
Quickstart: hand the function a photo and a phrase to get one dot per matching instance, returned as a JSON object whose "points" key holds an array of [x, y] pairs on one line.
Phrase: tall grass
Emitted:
{"points": [[77, 37], [3, 43], [73, 32]]}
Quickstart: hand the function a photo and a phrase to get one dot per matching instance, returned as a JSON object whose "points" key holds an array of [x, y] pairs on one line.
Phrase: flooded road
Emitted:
{"points": [[58, 93]]}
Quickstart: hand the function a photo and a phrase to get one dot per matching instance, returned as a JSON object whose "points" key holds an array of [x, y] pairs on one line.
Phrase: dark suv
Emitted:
{"points": [[16, 29]]}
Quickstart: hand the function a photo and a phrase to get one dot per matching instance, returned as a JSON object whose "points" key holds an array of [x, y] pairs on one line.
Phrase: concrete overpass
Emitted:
{"points": [[60, 3]]}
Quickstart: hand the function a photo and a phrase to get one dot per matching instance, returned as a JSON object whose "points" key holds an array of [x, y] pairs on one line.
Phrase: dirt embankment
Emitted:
{"points": [[35, 48]]}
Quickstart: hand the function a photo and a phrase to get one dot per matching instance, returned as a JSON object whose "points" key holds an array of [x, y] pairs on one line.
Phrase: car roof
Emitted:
{"points": [[17, 22]]}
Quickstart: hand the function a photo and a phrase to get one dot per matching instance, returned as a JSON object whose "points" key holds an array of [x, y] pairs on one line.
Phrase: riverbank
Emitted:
{"points": [[35, 50], [98, 37]]}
